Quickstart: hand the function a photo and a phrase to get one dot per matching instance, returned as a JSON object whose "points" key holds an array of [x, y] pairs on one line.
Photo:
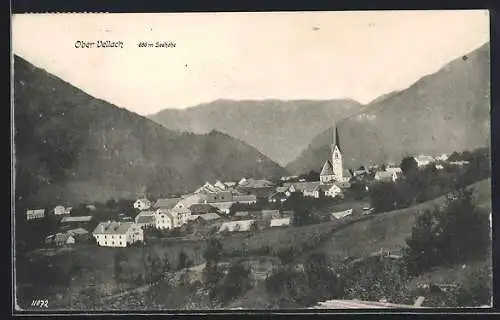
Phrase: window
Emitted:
{"points": [[113, 243]]}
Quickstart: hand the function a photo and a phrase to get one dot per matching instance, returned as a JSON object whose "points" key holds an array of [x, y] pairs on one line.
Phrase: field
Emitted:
{"points": [[388, 230]]}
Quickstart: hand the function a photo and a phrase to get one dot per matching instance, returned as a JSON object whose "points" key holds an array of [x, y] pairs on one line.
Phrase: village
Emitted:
{"points": [[224, 207]]}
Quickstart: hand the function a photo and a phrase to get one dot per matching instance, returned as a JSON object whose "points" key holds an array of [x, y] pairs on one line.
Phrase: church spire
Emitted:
{"points": [[336, 140]]}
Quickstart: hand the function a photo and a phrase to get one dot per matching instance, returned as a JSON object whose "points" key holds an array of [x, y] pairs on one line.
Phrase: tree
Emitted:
{"points": [[383, 196], [182, 260], [212, 273], [235, 283], [119, 259], [321, 279], [408, 165]]}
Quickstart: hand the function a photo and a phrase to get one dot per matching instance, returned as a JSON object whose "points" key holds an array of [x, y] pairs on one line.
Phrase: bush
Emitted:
{"points": [[457, 233]]}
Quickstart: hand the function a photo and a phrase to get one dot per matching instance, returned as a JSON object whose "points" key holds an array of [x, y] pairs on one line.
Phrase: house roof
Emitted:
{"points": [[347, 173], [145, 219], [245, 197], [209, 216], [222, 205], [254, 183], [166, 203], [76, 219], [327, 168], [341, 214], [277, 195], [78, 231], [280, 222], [35, 211], [306, 186], [202, 208], [282, 189], [144, 200], [384, 175], [113, 227], [240, 225]]}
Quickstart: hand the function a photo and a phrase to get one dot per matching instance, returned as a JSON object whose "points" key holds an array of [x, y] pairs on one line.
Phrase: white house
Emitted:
{"points": [[332, 190], [423, 160], [142, 204], [386, 176], [280, 222], [59, 210], [35, 214], [397, 170], [234, 226], [117, 234], [164, 220]]}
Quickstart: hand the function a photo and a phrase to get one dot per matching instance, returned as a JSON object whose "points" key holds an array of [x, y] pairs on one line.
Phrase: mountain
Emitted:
{"points": [[71, 147], [441, 113], [279, 129]]}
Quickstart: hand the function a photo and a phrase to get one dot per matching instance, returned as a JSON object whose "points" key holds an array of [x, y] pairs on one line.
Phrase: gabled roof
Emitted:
{"points": [[113, 227], [305, 186], [166, 203], [202, 208], [145, 220], [210, 216], [346, 173], [282, 189], [384, 175], [327, 169], [78, 231], [341, 214], [76, 219]]}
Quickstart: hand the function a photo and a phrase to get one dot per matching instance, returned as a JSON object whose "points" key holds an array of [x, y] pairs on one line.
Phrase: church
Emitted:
{"points": [[333, 170]]}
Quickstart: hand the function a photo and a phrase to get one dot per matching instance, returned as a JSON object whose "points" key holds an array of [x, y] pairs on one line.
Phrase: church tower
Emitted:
{"points": [[337, 157]]}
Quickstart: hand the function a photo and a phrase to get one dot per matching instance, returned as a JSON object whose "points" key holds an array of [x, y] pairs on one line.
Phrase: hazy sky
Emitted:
{"points": [[303, 55]]}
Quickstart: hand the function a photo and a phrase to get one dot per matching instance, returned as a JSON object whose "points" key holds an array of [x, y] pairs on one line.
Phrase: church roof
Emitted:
{"points": [[337, 139], [327, 169]]}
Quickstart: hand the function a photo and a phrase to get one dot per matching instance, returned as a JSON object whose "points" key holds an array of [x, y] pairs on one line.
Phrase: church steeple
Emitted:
{"points": [[336, 140]]}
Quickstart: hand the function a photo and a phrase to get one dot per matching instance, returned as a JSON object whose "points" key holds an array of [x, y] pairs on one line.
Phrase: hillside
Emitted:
{"points": [[71, 147], [441, 113], [279, 129]]}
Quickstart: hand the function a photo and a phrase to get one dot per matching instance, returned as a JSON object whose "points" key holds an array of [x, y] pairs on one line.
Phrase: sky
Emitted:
{"points": [[246, 56]]}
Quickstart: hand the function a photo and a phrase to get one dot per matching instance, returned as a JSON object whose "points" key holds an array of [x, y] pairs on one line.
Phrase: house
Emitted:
{"points": [[254, 183], [145, 219], [270, 214], [277, 197], [222, 196], [220, 186], [458, 163], [62, 239], [59, 210], [68, 210], [201, 208], [284, 189], [181, 216], [78, 219], [164, 219], [341, 214], [282, 222], [329, 190], [189, 200], [211, 216], [308, 189], [79, 234], [241, 214], [360, 172], [117, 234], [91, 207], [423, 160], [386, 176], [248, 198], [223, 207], [166, 204], [237, 226], [207, 188], [397, 170], [35, 214], [439, 166], [442, 157], [142, 204]]}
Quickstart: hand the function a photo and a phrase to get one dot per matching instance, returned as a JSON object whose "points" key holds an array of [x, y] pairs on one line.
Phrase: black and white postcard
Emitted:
{"points": [[251, 161]]}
